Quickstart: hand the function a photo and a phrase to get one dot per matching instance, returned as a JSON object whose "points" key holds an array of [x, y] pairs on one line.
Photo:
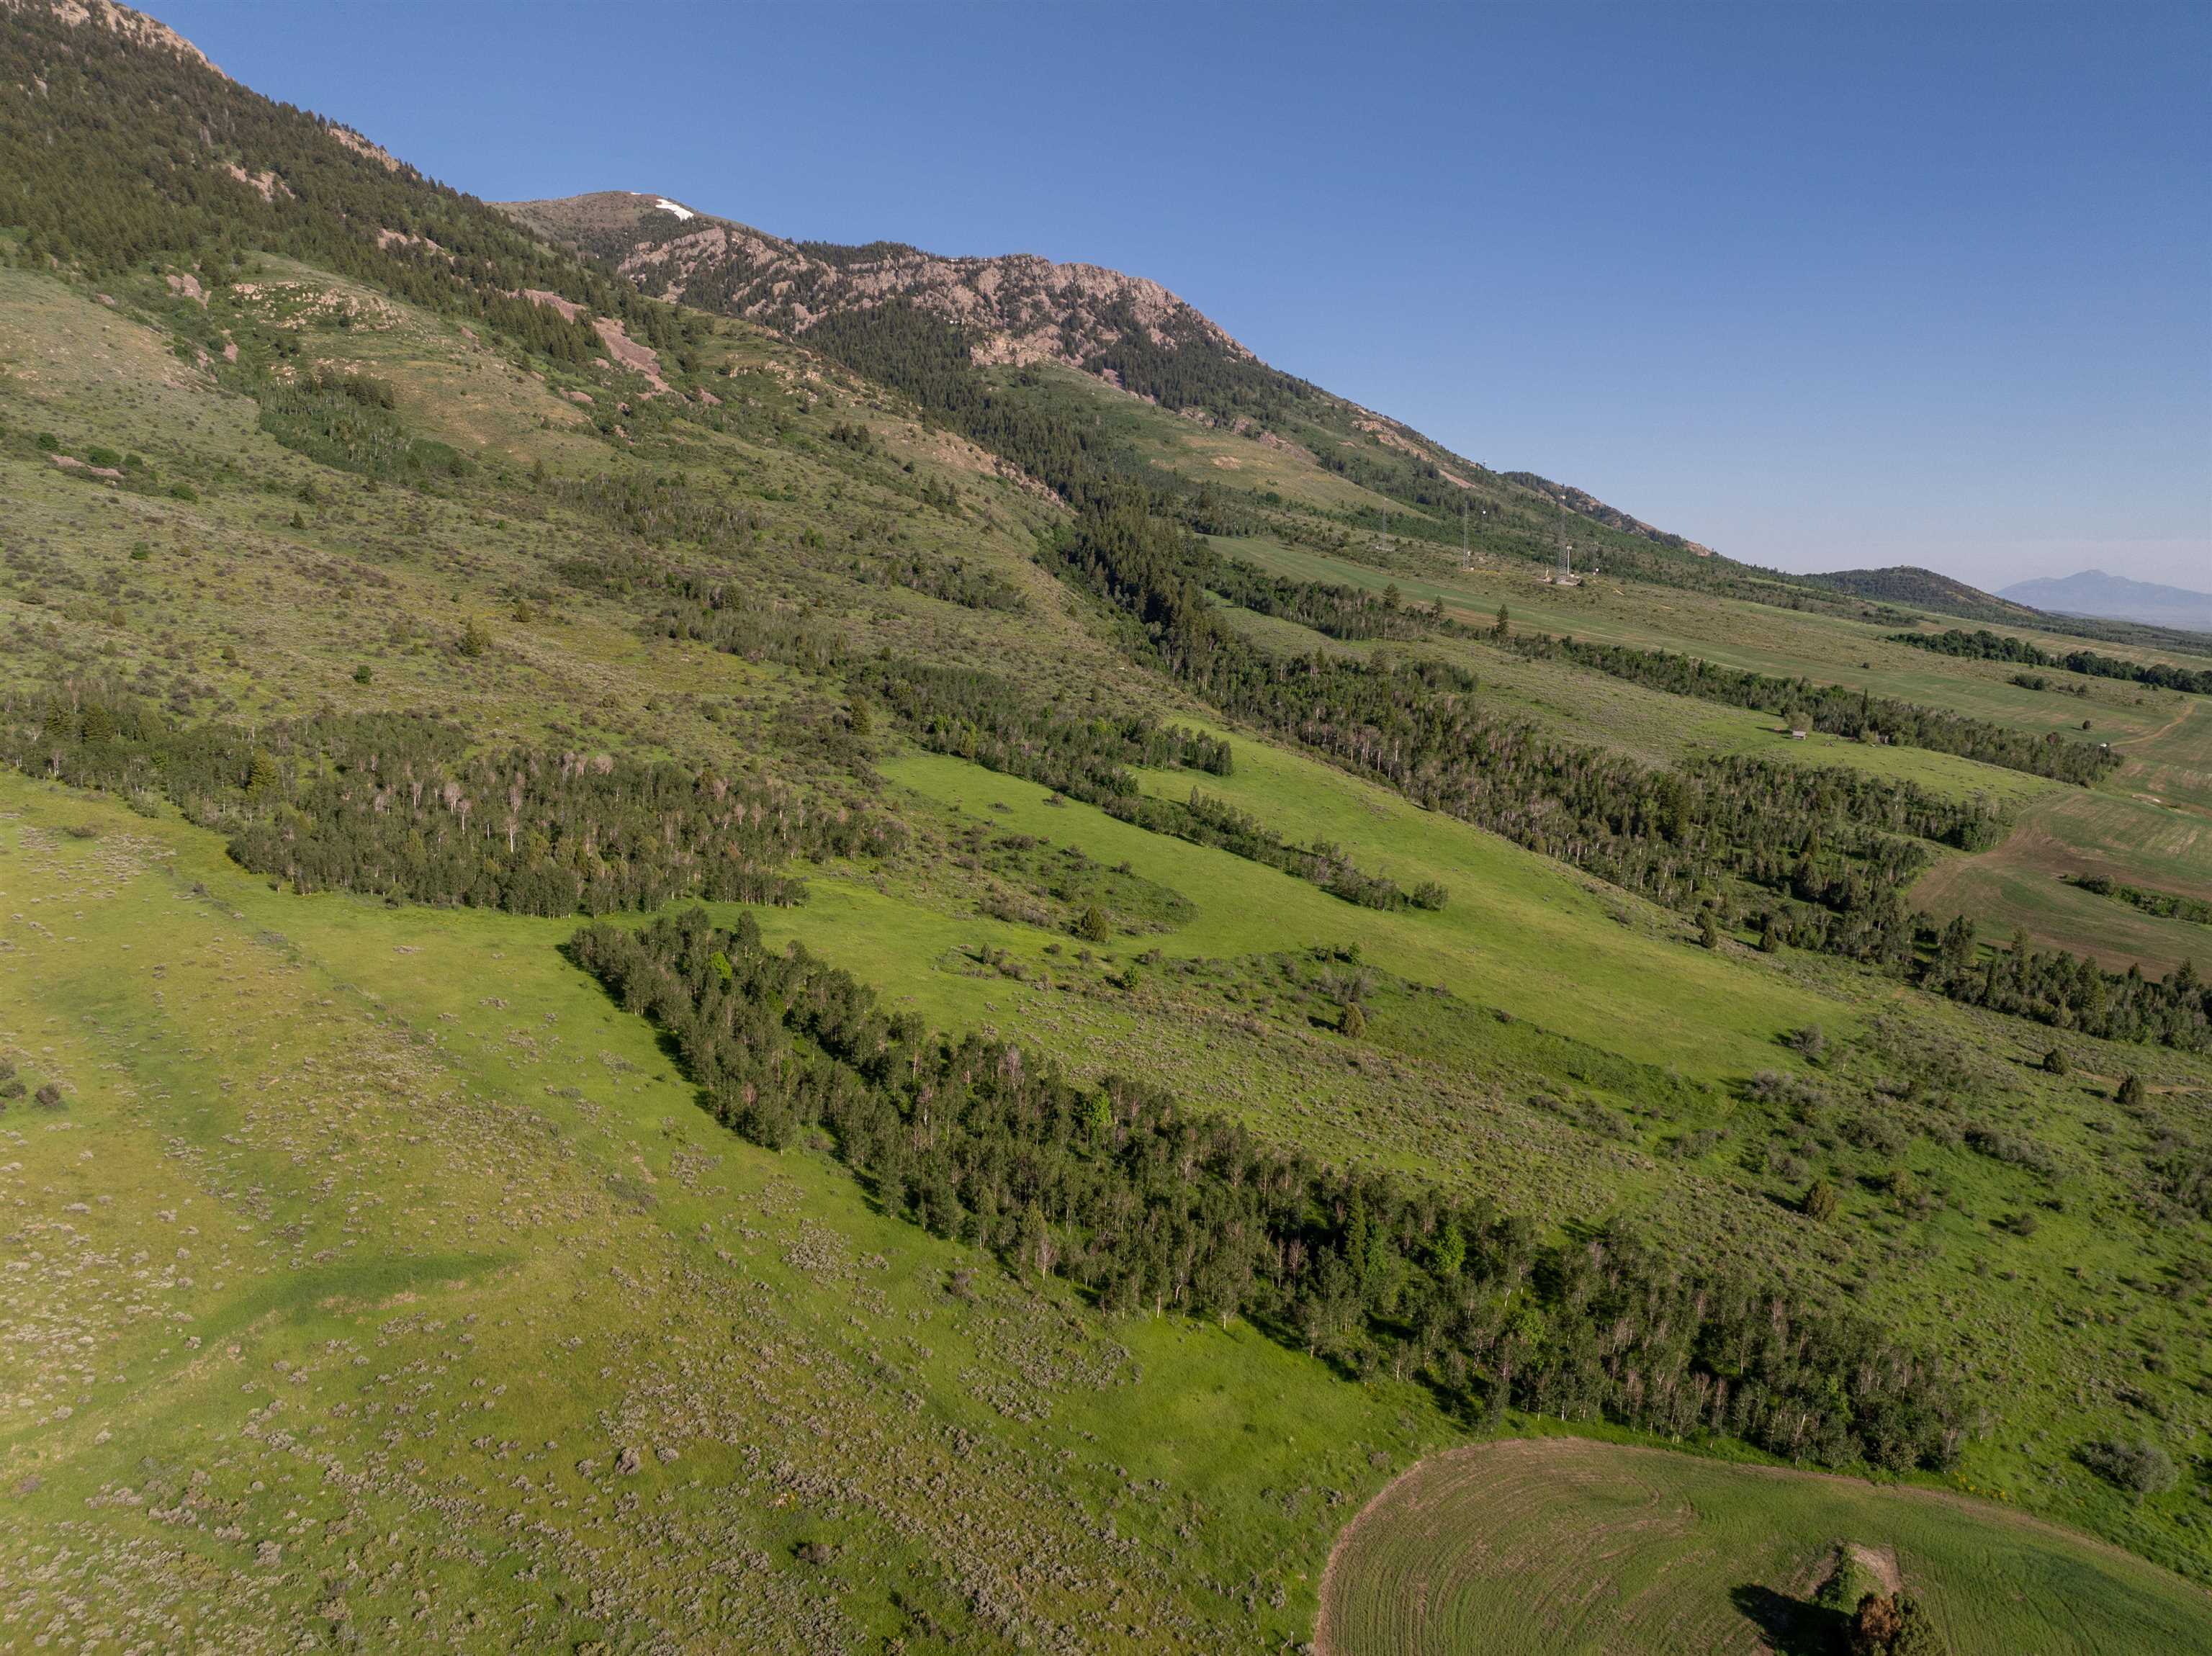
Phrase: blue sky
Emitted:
{"points": [[1824, 286]]}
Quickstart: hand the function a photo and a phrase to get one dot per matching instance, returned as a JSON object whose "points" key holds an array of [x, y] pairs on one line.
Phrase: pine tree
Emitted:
{"points": [[1449, 1253], [1917, 1634]]}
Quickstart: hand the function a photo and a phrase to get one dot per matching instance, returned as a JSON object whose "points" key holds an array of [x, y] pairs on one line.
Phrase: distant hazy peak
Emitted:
{"points": [[2096, 593]]}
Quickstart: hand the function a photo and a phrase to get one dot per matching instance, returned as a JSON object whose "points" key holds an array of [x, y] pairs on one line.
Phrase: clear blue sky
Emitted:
{"points": [[1821, 286]]}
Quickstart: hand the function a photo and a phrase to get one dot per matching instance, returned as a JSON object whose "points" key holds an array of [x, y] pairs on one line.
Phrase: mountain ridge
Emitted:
{"points": [[1020, 309], [135, 26], [1032, 307], [2096, 594]]}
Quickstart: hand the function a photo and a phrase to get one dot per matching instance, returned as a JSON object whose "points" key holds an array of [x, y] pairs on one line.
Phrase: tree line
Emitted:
{"points": [[2166, 904], [1983, 645], [983, 718], [393, 804], [1827, 852], [1144, 1206], [1835, 709], [2068, 991]]}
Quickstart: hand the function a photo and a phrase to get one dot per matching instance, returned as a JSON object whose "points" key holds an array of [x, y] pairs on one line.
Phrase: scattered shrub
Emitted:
{"points": [[2139, 1466]]}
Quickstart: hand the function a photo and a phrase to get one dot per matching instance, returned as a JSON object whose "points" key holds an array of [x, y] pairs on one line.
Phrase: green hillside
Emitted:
{"points": [[668, 980]]}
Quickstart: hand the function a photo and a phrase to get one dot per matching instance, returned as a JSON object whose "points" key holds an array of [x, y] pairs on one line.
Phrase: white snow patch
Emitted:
{"points": [[668, 206]]}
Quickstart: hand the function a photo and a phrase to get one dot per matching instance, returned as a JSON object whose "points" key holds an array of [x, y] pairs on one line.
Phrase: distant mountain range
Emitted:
{"points": [[2115, 598], [1924, 588]]}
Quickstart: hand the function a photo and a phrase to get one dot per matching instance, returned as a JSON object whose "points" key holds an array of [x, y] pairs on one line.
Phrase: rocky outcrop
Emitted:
{"points": [[1017, 307], [348, 139], [266, 181], [134, 26]]}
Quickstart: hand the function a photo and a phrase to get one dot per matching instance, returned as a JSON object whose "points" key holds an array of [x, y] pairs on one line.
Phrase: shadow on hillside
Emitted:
{"points": [[1792, 1626]]}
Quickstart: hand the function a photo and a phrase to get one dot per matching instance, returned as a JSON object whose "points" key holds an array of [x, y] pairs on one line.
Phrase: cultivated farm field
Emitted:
{"points": [[1546, 1546]]}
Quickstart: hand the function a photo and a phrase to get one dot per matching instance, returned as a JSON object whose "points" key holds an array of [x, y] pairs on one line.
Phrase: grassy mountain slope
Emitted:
{"points": [[1023, 312], [330, 1165]]}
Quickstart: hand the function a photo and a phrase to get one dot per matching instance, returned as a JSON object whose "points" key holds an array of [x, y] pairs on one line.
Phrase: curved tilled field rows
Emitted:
{"points": [[1538, 1546]]}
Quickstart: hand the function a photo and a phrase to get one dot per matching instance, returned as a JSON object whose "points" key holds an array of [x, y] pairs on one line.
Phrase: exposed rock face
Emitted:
{"points": [[133, 26], [266, 182], [1017, 308], [569, 308], [638, 358], [621, 348], [349, 139]]}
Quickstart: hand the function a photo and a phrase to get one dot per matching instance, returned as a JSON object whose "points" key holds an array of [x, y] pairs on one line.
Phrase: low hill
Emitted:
{"points": [[2116, 597], [1924, 588], [1927, 590]]}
